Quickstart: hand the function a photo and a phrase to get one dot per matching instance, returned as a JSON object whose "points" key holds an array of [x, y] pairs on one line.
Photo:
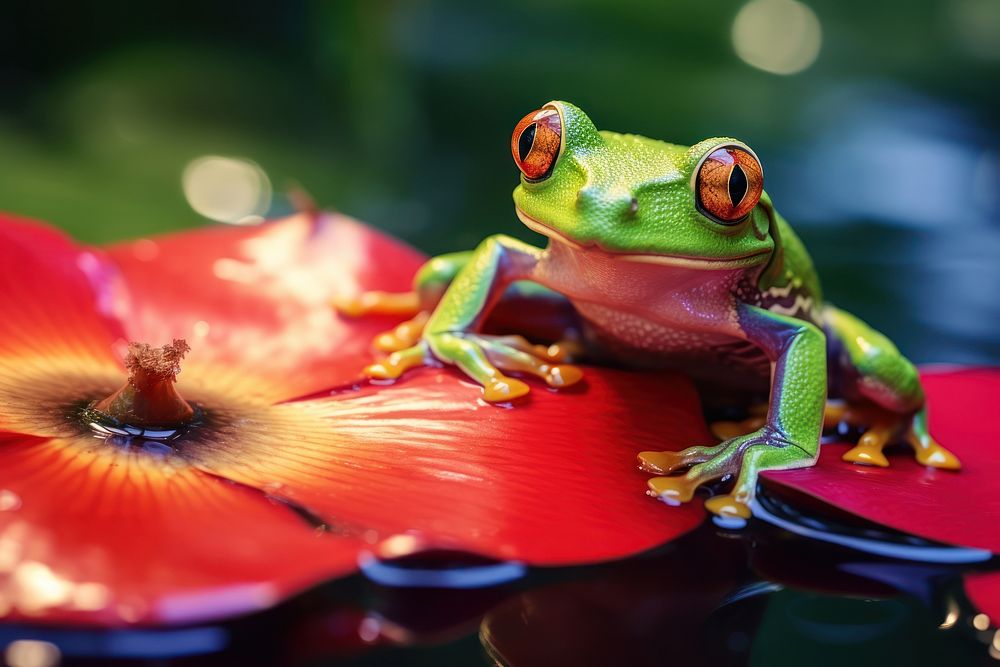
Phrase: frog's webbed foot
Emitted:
{"points": [[743, 456], [881, 428], [483, 358]]}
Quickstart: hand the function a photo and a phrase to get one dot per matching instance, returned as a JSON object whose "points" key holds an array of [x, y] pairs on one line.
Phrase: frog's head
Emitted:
{"points": [[642, 199]]}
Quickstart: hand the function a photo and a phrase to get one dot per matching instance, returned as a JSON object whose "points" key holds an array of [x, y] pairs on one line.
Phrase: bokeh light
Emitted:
{"points": [[777, 36], [32, 653], [227, 189], [976, 25]]}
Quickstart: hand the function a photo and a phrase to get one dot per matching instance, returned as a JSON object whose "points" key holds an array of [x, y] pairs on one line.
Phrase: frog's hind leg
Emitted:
{"points": [[882, 392]]}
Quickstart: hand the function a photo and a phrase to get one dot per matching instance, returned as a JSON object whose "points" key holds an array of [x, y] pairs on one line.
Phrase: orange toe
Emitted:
{"points": [[867, 456], [503, 388], [728, 507]]}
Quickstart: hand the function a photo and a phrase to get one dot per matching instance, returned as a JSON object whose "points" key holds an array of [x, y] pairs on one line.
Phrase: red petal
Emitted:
{"points": [[550, 481], [984, 592], [57, 300], [111, 537], [954, 507], [254, 302]]}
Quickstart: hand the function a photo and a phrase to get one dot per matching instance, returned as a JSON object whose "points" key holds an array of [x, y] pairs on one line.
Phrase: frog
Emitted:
{"points": [[662, 257]]}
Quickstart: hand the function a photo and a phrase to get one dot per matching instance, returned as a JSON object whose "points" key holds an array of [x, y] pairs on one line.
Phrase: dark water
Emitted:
{"points": [[760, 596]]}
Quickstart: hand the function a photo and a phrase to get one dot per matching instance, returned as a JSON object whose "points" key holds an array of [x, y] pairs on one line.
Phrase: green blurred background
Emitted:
{"points": [[877, 123]]}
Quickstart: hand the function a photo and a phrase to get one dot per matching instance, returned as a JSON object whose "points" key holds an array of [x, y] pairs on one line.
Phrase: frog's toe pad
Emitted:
{"points": [[672, 490], [403, 336], [937, 456], [382, 371], [561, 352], [867, 456], [728, 507], [563, 375], [501, 389]]}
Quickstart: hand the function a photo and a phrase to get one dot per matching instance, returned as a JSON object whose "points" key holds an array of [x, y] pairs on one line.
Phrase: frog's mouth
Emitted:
{"points": [[717, 263]]}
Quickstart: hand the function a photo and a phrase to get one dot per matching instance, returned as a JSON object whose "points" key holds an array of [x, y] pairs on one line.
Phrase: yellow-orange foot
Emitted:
{"points": [[664, 463], [397, 363], [728, 507], [741, 459], [883, 428], [929, 453], [482, 358], [516, 354], [676, 489], [868, 451]]}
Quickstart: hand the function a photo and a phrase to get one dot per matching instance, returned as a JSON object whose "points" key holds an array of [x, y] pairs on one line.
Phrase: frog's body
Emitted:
{"points": [[671, 257]]}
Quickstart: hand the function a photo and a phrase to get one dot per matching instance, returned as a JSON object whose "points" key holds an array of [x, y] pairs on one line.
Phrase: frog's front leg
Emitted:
{"points": [[788, 439], [451, 333], [429, 285]]}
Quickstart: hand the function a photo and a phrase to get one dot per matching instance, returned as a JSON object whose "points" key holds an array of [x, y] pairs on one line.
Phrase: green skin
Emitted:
{"points": [[659, 284]]}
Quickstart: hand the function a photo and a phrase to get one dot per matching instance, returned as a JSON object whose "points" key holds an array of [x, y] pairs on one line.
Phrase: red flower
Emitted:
{"points": [[292, 472]]}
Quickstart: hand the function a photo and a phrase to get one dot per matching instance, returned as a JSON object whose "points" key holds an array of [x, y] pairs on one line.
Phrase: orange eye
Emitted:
{"points": [[729, 183], [536, 142]]}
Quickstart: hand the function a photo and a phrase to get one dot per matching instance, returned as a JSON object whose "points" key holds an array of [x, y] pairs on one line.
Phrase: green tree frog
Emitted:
{"points": [[674, 257]]}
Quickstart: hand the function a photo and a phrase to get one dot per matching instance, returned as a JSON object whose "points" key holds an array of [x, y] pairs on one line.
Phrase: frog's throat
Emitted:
{"points": [[720, 263]]}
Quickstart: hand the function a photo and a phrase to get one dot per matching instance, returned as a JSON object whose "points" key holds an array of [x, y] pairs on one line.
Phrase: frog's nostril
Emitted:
{"points": [[608, 203]]}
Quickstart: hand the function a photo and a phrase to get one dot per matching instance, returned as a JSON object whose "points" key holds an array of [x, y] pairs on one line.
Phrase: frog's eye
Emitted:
{"points": [[536, 143], [728, 184]]}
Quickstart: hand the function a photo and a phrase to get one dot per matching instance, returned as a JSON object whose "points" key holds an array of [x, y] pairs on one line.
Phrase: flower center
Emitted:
{"points": [[148, 403]]}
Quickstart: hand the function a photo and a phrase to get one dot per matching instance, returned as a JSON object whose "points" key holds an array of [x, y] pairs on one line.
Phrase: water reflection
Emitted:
{"points": [[759, 596]]}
